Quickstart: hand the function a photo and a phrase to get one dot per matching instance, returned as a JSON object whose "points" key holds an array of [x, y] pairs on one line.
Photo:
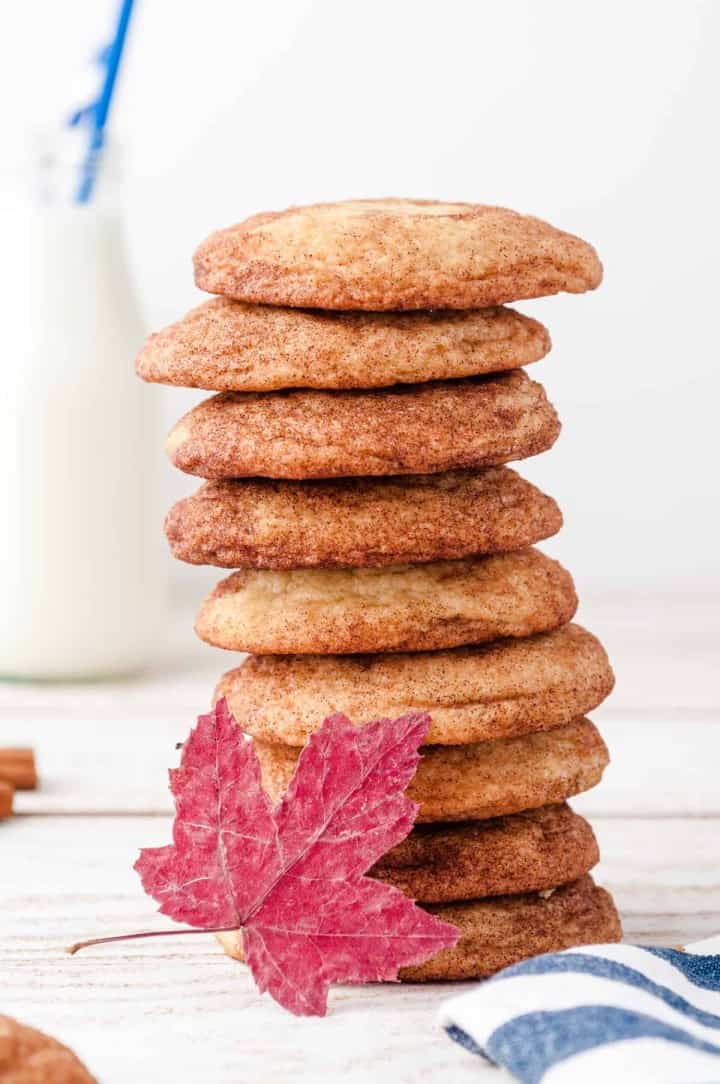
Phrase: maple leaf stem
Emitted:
{"points": [[72, 949]]}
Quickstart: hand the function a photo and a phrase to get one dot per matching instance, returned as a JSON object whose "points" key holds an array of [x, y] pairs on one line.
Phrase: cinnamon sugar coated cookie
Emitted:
{"points": [[359, 522], [228, 346], [495, 933], [29, 1056], [406, 429], [472, 694], [523, 852], [403, 608], [394, 254], [487, 779]]}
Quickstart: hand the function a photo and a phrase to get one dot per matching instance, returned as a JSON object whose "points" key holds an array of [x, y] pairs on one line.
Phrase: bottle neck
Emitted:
{"points": [[52, 174]]}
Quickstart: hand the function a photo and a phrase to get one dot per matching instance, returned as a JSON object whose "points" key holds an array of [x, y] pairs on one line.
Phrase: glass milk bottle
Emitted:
{"points": [[81, 572]]}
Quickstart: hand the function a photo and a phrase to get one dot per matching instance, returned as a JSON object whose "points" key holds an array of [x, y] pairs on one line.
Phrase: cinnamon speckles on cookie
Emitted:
{"points": [[479, 693], [394, 254], [495, 933], [484, 779], [359, 522], [406, 429], [531, 851], [403, 608], [225, 345]]}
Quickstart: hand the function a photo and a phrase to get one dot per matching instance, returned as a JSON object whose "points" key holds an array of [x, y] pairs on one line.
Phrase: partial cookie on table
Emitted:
{"points": [[225, 345], [472, 694], [29, 1056], [406, 429], [404, 608], [394, 254], [523, 852], [498, 932], [359, 522], [486, 779]]}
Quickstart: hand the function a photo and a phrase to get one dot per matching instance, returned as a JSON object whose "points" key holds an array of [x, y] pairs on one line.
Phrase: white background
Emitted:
{"points": [[600, 117]]}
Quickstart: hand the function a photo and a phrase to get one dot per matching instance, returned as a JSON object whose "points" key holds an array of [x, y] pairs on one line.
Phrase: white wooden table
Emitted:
{"points": [[177, 1009]]}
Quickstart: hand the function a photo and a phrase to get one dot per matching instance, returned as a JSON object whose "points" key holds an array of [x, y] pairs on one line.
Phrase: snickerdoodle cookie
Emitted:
{"points": [[495, 933], [406, 429], [498, 690], [359, 522], [403, 608], [29, 1056], [394, 254], [503, 930], [487, 779], [228, 346], [524, 852]]}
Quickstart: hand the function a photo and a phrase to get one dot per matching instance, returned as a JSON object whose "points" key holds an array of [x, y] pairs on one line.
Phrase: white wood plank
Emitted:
{"points": [[664, 875], [177, 1009], [119, 765]]}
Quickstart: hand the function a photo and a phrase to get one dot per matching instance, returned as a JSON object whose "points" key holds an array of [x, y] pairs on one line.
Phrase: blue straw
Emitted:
{"points": [[96, 114]]}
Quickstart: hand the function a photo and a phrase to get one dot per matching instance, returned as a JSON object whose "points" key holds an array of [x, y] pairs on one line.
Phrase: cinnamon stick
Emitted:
{"points": [[17, 767], [6, 800]]}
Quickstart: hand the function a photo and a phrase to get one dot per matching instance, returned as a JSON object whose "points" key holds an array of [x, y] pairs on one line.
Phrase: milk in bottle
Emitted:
{"points": [[81, 591]]}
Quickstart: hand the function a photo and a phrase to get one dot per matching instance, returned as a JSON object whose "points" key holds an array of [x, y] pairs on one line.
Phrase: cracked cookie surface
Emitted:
{"points": [[478, 693], [406, 429], [495, 933], [359, 522], [225, 345], [394, 254], [423, 607], [523, 852]]}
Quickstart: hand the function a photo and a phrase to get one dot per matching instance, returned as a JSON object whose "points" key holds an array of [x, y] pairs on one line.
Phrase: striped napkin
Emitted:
{"points": [[599, 1014]]}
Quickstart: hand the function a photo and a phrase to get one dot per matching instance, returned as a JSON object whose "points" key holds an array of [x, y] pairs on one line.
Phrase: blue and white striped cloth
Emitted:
{"points": [[603, 1014]]}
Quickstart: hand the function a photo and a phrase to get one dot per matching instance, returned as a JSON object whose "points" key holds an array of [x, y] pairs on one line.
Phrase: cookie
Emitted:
{"points": [[487, 779], [524, 852], [228, 346], [495, 933], [403, 608], [406, 429], [503, 689], [359, 522], [29, 1056], [394, 254]]}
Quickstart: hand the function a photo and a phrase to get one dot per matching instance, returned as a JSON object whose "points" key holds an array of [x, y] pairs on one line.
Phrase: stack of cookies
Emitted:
{"points": [[371, 391]]}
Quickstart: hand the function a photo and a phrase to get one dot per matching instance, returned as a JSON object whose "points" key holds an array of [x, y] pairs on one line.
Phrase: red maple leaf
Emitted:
{"points": [[292, 879]]}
